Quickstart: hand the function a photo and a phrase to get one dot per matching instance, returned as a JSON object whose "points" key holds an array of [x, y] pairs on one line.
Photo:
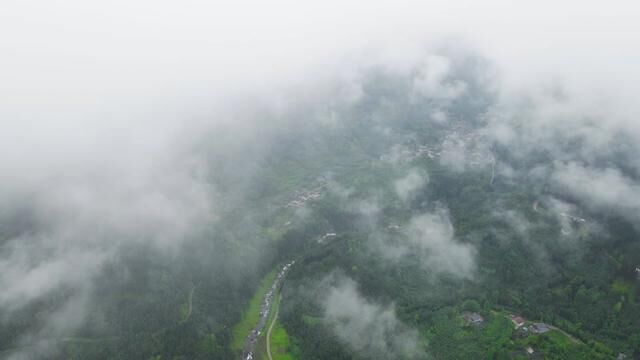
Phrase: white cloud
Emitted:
{"points": [[601, 189], [407, 186], [432, 80], [431, 236], [366, 326]]}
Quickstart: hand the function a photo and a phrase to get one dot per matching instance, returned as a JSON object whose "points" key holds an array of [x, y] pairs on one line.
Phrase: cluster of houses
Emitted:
{"points": [[524, 330], [252, 339], [301, 197], [473, 318], [567, 225], [459, 134], [429, 152], [535, 328], [403, 155], [326, 236], [521, 326], [472, 140], [574, 219]]}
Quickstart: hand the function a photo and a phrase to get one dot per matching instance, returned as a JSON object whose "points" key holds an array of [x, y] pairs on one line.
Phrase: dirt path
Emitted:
{"points": [[571, 337], [191, 301], [273, 322], [493, 171]]}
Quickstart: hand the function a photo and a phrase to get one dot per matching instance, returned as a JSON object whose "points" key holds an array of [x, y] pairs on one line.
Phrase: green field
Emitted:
{"points": [[280, 343]]}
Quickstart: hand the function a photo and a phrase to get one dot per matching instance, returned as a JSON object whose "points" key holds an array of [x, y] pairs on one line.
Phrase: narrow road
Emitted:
{"points": [[273, 322], [493, 171], [188, 315], [190, 302], [571, 337]]}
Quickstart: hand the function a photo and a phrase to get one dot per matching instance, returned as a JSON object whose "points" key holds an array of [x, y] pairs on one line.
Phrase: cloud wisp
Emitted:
{"points": [[366, 326]]}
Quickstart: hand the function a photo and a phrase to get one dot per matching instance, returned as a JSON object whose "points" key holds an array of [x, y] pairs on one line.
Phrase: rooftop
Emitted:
{"points": [[540, 328], [473, 318]]}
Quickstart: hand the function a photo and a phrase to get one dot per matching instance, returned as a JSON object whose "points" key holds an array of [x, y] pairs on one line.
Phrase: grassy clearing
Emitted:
{"points": [[280, 343], [311, 320], [624, 288], [251, 315], [560, 339]]}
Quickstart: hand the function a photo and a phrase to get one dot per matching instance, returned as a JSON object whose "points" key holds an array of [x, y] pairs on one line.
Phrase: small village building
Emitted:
{"points": [[473, 318], [517, 321], [540, 328]]}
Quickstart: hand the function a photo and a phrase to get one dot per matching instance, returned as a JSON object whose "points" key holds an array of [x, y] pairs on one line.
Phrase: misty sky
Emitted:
{"points": [[78, 75], [82, 50]]}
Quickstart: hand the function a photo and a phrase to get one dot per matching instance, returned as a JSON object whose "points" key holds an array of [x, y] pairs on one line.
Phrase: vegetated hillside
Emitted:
{"points": [[537, 251], [402, 222]]}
